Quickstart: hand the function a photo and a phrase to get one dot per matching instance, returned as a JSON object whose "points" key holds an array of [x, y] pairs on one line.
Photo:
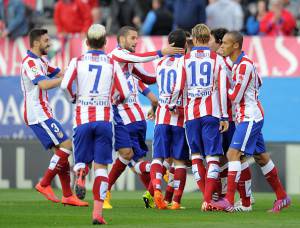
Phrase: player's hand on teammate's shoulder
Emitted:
{"points": [[170, 50], [224, 124]]}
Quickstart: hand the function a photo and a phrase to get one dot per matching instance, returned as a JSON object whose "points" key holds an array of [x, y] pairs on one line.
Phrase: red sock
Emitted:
{"points": [[212, 177], [271, 175], [234, 171], [151, 189], [179, 182], [99, 190], [55, 166], [145, 178], [244, 185], [156, 174], [166, 166], [142, 167], [64, 171], [117, 169], [170, 187], [223, 179], [199, 172]]}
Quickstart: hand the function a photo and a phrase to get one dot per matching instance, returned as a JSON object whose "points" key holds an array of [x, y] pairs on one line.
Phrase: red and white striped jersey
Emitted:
{"points": [[202, 77], [229, 85], [244, 94], [36, 104], [131, 110], [99, 82], [166, 76]]}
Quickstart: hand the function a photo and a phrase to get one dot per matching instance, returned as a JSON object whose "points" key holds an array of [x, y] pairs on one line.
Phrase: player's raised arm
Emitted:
{"points": [[243, 77], [139, 72], [69, 77]]}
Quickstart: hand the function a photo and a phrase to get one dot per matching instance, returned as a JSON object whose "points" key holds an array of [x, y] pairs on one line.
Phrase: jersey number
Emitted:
{"points": [[98, 69], [171, 74], [205, 73]]}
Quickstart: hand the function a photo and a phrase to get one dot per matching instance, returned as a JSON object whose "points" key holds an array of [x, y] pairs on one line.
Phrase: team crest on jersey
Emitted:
{"points": [[34, 70]]}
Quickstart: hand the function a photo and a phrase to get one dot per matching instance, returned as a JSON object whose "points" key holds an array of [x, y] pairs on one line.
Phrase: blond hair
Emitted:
{"points": [[201, 33]]}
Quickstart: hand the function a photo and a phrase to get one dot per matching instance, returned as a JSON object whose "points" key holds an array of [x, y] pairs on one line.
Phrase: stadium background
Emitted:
{"points": [[22, 159]]}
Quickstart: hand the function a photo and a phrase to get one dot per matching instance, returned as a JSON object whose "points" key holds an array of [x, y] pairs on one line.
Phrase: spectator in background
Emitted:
{"points": [[253, 22], [13, 20], [188, 13], [278, 21], [72, 16], [125, 12], [159, 21], [225, 14]]}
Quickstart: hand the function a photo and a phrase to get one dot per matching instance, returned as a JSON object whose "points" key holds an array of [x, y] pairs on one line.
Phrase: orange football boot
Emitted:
{"points": [[159, 200], [47, 192], [73, 201]]}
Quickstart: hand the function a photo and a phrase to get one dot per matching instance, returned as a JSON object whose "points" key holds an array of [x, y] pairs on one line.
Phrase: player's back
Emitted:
{"points": [[166, 75], [94, 85], [202, 68]]}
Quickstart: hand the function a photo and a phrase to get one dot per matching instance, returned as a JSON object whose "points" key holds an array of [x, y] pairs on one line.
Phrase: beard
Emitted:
{"points": [[44, 51]]}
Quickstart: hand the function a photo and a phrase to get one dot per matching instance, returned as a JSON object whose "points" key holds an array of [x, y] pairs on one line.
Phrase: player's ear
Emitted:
{"points": [[236, 45], [122, 40]]}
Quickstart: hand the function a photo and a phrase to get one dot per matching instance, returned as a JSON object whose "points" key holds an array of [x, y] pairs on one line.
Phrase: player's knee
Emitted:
{"points": [[127, 153], [262, 159], [233, 154], [66, 144]]}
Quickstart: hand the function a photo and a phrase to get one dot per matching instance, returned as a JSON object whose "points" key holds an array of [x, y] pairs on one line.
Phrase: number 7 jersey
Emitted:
{"points": [[202, 78], [99, 82]]}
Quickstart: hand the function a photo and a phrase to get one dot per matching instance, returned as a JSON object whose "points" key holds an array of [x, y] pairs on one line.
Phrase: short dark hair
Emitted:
{"points": [[237, 37], [218, 34], [178, 37], [35, 35], [124, 30], [96, 43]]}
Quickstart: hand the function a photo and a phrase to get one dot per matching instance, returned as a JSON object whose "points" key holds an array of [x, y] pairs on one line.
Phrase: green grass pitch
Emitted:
{"points": [[27, 208]]}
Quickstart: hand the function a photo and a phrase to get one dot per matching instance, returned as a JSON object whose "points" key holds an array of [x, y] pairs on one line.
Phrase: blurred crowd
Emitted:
{"points": [[151, 17]]}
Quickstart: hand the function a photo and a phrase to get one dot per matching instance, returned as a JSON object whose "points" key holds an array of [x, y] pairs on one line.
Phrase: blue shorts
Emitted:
{"points": [[248, 138], [227, 136], [121, 134], [49, 132], [93, 142], [203, 136], [170, 141], [137, 132]]}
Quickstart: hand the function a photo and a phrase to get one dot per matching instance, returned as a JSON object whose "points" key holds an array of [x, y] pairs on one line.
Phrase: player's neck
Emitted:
{"points": [[36, 52], [234, 56], [201, 44]]}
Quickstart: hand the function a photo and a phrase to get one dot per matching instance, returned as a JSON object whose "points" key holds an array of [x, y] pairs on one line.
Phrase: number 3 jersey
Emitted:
{"points": [[99, 82], [166, 76], [202, 78]]}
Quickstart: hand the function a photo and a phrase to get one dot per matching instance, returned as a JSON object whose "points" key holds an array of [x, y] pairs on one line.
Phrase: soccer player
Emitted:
{"points": [[38, 76], [169, 133], [99, 81], [244, 184], [130, 124], [247, 139], [202, 77]]}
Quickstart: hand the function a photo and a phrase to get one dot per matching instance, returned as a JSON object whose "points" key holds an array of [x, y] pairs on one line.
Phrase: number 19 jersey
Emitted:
{"points": [[166, 76], [202, 77]]}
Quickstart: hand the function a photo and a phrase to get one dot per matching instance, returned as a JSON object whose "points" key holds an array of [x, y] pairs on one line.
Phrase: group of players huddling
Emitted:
{"points": [[207, 112]]}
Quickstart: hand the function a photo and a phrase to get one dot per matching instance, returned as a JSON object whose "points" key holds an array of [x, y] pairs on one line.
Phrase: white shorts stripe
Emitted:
{"points": [[248, 132], [52, 136]]}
